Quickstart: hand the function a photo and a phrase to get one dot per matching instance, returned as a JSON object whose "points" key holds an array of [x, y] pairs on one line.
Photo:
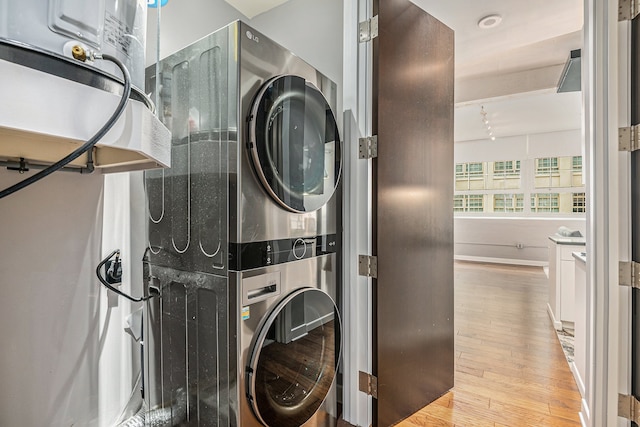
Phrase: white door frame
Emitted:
{"points": [[357, 296]]}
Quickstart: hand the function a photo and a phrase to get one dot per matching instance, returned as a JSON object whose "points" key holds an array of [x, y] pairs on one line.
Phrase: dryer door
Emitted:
{"points": [[294, 358], [294, 143]]}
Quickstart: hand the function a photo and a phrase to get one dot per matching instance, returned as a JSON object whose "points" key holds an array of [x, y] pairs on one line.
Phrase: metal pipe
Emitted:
{"points": [[16, 166], [516, 245]]}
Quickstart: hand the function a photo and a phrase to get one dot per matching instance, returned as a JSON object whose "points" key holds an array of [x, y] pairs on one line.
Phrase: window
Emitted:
{"points": [[579, 202], [475, 169], [465, 170], [547, 166], [576, 163], [545, 202], [468, 203], [475, 203], [470, 176], [508, 202], [458, 203], [507, 168]]}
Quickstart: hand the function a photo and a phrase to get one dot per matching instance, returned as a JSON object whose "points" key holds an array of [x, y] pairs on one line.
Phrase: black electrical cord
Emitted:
{"points": [[116, 253], [87, 145]]}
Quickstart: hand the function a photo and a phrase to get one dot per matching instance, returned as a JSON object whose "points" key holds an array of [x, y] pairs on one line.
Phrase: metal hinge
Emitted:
{"points": [[629, 408], [368, 147], [629, 274], [627, 10], [628, 138], [368, 266], [368, 384], [368, 29]]}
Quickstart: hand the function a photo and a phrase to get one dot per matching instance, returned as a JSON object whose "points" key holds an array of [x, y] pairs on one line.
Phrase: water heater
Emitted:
{"points": [[115, 27], [57, 101]]}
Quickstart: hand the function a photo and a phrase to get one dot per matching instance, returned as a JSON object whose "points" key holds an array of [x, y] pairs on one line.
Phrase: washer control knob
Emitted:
{"points": [[299, 249]]}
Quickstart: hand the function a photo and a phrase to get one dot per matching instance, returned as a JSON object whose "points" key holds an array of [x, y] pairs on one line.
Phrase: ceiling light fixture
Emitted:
{"points": [[486, 123], [490, 21]]}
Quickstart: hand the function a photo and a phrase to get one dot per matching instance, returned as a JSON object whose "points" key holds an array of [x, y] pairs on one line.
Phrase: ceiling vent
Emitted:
{"points": [[570, 78]]}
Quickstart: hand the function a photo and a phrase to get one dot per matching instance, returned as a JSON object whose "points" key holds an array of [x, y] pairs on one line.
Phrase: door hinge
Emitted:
{"points": [[368, 29], [629, 274], [629, 408], [368, 266], [368, 384], [629, 138], [627, 10], [368, 147]]}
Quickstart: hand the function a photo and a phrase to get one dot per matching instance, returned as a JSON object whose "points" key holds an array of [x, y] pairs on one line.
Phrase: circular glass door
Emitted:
{"points": [[294, 142], [294, 358]]}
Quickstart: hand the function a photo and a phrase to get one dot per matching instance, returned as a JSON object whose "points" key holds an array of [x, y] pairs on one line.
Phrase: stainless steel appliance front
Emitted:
{"points": [[289, 343], [255, 215], [214, 191], [215, 230]]}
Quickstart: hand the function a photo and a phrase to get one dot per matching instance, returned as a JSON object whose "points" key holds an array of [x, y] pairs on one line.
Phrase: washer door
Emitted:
{"points": [[293, 358], [294, 143]]}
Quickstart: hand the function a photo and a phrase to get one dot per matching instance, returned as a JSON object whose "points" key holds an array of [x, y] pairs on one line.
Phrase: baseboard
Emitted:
{"points": [[556, 324], [578, 378], [511, 261], [585, 415], [343, 423]]}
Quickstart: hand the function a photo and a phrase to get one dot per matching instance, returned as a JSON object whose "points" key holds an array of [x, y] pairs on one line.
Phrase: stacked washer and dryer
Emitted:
{"points": [[243, 238]]}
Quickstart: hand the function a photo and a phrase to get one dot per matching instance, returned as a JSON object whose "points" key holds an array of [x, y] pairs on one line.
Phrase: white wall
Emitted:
{"points": [[521, 147], [50, 326], [497, 238]]}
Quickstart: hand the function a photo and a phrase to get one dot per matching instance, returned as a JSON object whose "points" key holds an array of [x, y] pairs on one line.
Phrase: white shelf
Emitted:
{"points": [[44, 117]]}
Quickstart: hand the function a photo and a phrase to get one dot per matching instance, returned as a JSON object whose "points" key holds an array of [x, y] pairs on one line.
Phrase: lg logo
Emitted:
{"points": [[253, 37]]}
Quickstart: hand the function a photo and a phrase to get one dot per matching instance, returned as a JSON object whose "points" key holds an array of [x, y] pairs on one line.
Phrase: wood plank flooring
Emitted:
{"points": [[510, 368]]}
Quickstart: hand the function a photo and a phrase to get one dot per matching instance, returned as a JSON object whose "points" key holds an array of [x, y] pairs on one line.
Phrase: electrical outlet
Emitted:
{"points": [[113, 272]]}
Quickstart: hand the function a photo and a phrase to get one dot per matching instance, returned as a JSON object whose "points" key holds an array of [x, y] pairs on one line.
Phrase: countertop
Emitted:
{"points": [[563, 240], [580, 256]]}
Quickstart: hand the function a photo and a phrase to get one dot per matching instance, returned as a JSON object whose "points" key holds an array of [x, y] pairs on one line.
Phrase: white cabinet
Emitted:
{"points": [[581, 331], [561, 307]]}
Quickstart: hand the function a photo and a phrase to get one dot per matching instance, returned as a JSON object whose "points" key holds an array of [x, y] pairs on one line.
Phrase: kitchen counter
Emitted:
{"points": [[580, 256], [564, 240]]}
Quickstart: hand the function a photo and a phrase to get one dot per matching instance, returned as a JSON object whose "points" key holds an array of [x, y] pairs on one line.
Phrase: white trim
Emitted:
{"points": [[510, 261], [585, 414], [624, 213], [357, 296], [577, 377], [600, 88], [556, 323]]}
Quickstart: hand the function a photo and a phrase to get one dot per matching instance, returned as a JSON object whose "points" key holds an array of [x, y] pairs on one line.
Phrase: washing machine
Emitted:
{"points": [[289, 344], [243, 237]]}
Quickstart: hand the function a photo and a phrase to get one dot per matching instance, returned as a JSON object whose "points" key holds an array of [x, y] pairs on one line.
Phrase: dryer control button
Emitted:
{"points": [[299, 249]]}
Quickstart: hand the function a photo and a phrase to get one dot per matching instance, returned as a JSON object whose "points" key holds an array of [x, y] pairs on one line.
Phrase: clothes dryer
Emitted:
{"points": [[256, 154], [289, 155]]}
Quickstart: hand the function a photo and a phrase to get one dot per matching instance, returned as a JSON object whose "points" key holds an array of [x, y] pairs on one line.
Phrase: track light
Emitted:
{"points": [[486, 123]]}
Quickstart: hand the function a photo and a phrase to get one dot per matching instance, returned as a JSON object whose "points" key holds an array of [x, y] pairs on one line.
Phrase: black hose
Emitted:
{"points": [[113, 288], [87, 145]]}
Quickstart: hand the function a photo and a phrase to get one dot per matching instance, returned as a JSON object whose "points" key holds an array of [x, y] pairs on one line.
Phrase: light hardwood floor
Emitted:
{"points": [[510, 368]]}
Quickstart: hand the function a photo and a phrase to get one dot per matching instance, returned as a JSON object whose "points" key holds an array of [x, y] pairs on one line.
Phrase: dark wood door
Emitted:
{"points": [[413, 209]]}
